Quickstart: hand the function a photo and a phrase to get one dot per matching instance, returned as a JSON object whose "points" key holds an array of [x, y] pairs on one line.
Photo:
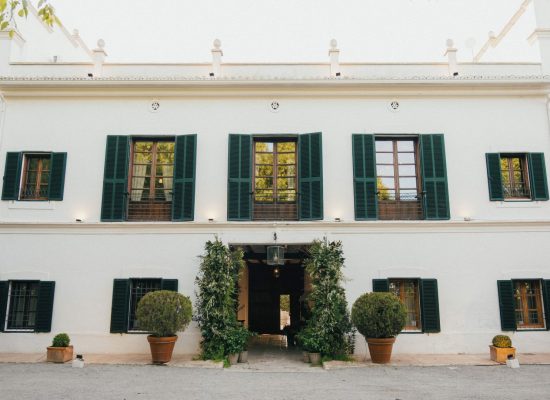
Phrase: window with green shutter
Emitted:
{"points": [[183, 203], [115, 179], [516, 176], [420, 297], [434, 177], [310, 176], [26, 306], [239, 182], [126, 295], [364, 177], [34, 176]]}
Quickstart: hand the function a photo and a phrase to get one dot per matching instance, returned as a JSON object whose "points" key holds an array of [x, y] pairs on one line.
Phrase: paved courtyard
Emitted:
{"points": [[49, 381]]}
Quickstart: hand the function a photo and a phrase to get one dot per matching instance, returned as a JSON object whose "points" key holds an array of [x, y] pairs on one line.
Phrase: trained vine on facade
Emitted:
{"points": [[217, 297], [329, 325]]}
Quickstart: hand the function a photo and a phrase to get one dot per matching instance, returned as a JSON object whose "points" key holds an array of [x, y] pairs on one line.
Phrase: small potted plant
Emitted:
{"points": [[300, 344], [243, 355], [379, 317], [236, 338], [163, 313], [312, 345], [501, 349], [60, 351]]}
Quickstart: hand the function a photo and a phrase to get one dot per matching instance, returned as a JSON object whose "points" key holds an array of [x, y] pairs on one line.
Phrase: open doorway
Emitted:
{"points": [[272, 297]]}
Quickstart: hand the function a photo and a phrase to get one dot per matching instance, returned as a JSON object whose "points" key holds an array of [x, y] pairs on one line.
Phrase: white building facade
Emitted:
{"points": [[433, 176]]}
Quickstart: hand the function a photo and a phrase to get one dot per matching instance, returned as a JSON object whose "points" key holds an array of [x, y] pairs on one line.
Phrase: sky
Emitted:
{"points": [[297, 30]]}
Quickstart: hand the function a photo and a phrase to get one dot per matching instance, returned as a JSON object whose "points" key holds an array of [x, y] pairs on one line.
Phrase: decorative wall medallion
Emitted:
{"points": [[394, 106], [274, 106], [154, 106]]}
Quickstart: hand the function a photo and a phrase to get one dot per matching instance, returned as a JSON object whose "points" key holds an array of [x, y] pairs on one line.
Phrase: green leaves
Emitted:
{"points": [[217, 297], [329, 323], [378, 315], [164, 312], [12, 9]]}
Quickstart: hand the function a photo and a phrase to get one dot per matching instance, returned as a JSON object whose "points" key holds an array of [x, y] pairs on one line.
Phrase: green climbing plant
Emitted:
{"points": [[329, 322], [217, 298]]}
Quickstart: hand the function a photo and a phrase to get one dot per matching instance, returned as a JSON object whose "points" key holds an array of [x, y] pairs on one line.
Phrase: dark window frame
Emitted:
{"points": [[133, 301], [418, 308], [9, 305], [525, 172], [525, 306], [37, 185], [132, 215]]}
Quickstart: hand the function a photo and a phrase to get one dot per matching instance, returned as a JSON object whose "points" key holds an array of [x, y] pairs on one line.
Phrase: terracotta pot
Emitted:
{"points": [[500, 354], [59, 354], [243, 356], [305, 356], [315, 358], [161, 348], [233, 358], [380, 349]]}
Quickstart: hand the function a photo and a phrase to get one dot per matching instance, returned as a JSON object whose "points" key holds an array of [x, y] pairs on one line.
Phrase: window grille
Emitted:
{"points": [[514, 177], [138, 289], [36, 177], [528, 304], [23, 299], [408, 293]]}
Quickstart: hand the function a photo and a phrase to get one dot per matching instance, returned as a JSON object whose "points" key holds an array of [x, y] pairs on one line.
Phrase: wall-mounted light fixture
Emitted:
{"points": [[79, 220], [211, 219], [337, 219]]}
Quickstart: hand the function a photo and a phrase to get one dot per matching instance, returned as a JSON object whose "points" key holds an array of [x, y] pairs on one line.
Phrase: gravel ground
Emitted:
{"points": [[48, 381]]}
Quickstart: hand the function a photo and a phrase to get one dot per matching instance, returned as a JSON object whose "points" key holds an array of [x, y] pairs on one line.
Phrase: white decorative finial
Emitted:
{"points": [[450, 43], [101, 44], [333, 44], [451, 55], [217, 44]]}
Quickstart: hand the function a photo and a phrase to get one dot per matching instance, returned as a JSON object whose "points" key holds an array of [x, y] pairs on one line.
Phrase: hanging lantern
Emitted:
{"points": [[275, 255]]}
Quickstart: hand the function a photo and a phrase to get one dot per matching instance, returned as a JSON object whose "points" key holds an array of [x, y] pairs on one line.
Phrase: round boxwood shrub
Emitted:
{"points": [[61, 340], [378, 315], [502, 341], [164, 312]]}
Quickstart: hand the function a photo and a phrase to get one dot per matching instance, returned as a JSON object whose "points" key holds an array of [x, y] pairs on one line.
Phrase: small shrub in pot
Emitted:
{"points": [[379, 317], [163, 313], [60, 351], [501, 349]]}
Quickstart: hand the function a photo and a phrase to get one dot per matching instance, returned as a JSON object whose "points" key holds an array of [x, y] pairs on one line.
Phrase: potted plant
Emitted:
{"points": [[501, 349], [243, 355], [236, 338], [300, 344], [379, 317], [163, 313], [312, 344], [60, 351]]}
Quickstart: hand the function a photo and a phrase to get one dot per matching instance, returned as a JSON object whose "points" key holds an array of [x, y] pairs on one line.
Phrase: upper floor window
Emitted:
{"points": [[398, 186], [34, 176], [514, 174], [275, 176], [151, 180]]}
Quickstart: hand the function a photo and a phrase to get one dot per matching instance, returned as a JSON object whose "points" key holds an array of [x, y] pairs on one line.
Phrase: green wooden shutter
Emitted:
{"points": [[310, 167], [115, 179], [57, 176], [12, 176], [506, 305], [494, 177], [429, 303], [434, 177], [364, 177], [120, 306], [239, 185], [183, 201], [169, 284], [4, 285], [546, 301], [44, 307], [380, 285], [537, 176]]}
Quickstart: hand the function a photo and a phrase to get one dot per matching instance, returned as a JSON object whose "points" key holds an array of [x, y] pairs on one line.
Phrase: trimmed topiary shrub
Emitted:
{"points": [[502, 341], [164, 312], [61, 340], [378, 315]]}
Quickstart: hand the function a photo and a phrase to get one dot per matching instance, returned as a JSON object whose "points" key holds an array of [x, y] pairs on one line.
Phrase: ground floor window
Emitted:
{"points": [[138, 289], [22, 300], [528, 304], [408, 292]]}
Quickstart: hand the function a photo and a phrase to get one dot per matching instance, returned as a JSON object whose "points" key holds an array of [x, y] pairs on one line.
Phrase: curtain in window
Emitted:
{"points": [[138, 183], [167, 171]]}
